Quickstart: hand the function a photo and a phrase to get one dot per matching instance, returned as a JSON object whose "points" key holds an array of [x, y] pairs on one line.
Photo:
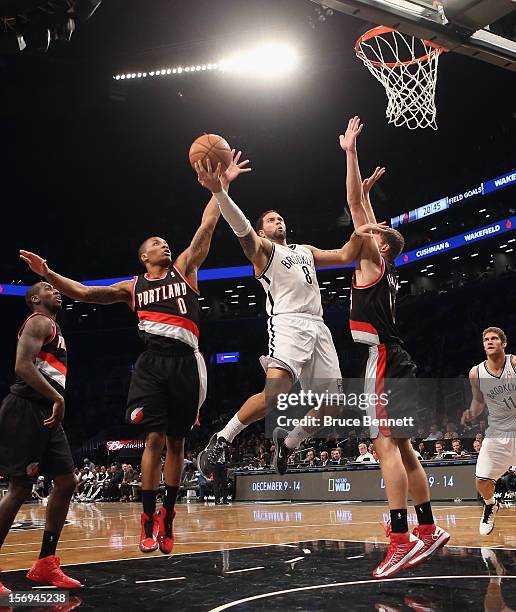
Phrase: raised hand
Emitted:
{"points": [[368, 229], [36, 263], [367, 183], [348, 141], [208, 178], [235, 168]]}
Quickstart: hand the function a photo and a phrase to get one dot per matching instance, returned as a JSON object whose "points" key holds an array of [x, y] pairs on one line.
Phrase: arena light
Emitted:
{"points": [[268, 60]]}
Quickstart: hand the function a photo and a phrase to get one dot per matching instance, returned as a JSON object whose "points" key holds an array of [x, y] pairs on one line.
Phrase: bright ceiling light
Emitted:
{"points": [[268, 61]]}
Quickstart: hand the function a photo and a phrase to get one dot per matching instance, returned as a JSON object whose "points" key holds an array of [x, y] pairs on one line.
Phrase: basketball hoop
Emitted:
{"points": [[407, 68]]}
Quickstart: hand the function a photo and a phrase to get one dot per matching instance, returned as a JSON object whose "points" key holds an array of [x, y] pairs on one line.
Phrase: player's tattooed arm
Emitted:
{"points": [[478, 404], [36, 331], [257, 250], [111, 294]]}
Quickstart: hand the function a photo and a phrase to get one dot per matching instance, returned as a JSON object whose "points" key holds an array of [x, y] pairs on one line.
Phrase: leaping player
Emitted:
{"points": [[493, 384], [372, 322], [300, 345], [168, 384]]}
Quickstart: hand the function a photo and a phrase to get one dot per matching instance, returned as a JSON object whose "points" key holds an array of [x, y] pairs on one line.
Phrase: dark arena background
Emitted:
{"points": [[100, 103]]}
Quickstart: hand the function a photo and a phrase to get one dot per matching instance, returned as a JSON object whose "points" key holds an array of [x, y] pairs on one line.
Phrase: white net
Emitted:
{"points": [[407, 68]]}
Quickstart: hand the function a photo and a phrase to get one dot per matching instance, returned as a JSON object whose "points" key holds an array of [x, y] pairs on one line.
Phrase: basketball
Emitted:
{"points": [[212, 146]]}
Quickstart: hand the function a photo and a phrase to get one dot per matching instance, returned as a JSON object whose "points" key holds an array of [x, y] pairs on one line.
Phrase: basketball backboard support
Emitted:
{"points": [[423, 19]]}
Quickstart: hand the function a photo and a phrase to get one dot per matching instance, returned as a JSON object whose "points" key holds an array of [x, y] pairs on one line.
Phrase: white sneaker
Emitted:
{"points": [[488, 518]]}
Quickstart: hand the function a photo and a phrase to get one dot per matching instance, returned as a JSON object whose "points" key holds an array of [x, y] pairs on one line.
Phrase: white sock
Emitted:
{"points": [[232, 429], [489, 502], [295, 437]]}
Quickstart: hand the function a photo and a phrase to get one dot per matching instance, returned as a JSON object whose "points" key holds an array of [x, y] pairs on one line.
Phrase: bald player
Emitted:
{"points": [[168, 384]]}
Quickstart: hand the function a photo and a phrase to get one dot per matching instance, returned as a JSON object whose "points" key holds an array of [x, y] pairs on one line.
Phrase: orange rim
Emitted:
{"points": [[379, 30]]}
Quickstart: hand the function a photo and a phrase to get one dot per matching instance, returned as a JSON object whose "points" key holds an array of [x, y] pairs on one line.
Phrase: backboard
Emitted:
{"points": [[424, 19]]}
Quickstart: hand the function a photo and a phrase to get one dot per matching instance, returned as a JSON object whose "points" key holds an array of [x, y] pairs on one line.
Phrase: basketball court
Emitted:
{"points": [[262, 556]]}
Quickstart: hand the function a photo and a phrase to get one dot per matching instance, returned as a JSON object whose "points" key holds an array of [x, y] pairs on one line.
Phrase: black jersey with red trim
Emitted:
{"points": [[50, 361], [168, 310], [372, 317]]}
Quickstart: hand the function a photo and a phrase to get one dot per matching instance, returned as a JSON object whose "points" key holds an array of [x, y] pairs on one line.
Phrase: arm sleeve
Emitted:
{"points": [[238, 222]]}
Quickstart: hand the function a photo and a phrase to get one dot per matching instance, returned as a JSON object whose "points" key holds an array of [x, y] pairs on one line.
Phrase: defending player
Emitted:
{"points": [[372, 321], [32, 439], [300, 345], [493, 383], [168, 384]]}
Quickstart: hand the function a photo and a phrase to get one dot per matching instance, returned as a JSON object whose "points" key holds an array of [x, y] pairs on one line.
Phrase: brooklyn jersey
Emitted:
{"points": [[372, 317], [290, 282], [168, 310], [499, 395], [50, 361]]}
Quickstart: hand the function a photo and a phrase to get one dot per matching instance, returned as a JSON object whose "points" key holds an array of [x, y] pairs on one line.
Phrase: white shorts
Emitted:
{"points": [[496, 456], [303, 346]]}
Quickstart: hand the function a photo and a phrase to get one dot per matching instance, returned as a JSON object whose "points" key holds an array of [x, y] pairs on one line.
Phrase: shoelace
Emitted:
{"points": [[216, 452]]}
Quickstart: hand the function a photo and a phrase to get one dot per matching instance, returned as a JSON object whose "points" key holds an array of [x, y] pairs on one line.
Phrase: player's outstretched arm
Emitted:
{"points": [[348, 143], [35, 332], [194, 256], [256, 248], [110, 294], [478, 404], [350, 251], [367, 184]]}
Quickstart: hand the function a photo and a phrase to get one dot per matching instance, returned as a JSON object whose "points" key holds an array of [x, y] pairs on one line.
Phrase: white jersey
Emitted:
{"points": [[290, 282], [499, 395]]}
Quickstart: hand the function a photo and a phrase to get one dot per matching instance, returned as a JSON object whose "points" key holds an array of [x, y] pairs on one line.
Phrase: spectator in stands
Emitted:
{"points": [[311, 460], [435, 434], [204, 487], [364, 454], [89, 464], [477, 444], [457, 447], [37, 488], [439, 448], [325, 460], [113, 482], [350, 448], [422, 451], [451, 431], [291, 460], [375, 456], [370, 448], [125, 489], [336, 457]]}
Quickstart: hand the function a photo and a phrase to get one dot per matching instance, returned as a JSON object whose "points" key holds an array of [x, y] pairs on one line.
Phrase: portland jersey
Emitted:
{"points": [[168, 310], [372, 317], [290, 282], [499, 395], [50, 361]]}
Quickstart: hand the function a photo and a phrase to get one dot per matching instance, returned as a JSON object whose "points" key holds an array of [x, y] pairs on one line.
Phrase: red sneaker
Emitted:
{"points": [[403, 547], [433, 537], [165, 530], [148, 535], [4, 591], [47, 571]]}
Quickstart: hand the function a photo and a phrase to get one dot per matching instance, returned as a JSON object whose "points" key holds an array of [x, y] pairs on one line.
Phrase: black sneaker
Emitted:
{"points": [[208, 457], [281, 452], [488, 518]]}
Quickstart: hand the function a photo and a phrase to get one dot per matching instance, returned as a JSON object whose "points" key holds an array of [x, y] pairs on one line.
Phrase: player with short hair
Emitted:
{"points": [[300, 344], [493, 384], [32, 439], [168, 384], [372, 322]]}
